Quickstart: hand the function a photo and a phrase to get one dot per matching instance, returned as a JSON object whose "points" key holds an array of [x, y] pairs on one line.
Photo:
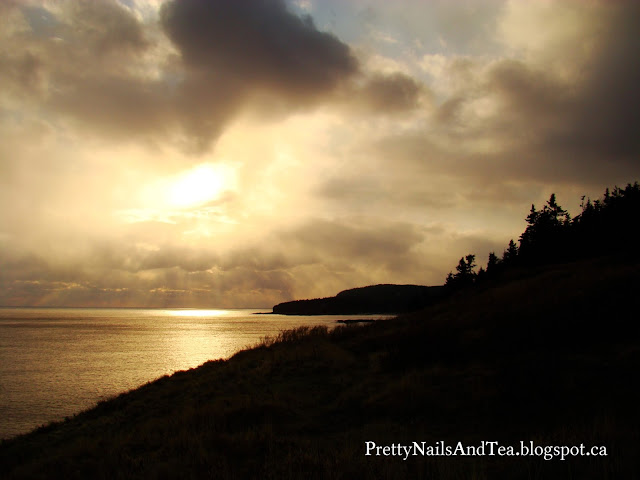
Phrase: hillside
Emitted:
{"points": [[365, 300], [549, 355]]}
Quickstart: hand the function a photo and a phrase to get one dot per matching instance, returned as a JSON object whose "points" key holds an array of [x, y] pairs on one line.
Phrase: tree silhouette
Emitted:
{"points": [[492, 263], [466, 267], [465, 273], [494, 267], [510, 254], [606, 226], [545, 237]]}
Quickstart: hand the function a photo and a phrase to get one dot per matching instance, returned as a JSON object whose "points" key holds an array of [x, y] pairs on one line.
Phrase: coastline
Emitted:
{"points": [[305, 403], [46, 378]]}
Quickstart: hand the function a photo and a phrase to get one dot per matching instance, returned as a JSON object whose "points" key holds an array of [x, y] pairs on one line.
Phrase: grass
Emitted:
{"points": [[550, 355]]}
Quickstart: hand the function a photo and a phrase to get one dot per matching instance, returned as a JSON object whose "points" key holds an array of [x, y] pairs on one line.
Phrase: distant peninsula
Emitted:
{"points": [[384, 298]]}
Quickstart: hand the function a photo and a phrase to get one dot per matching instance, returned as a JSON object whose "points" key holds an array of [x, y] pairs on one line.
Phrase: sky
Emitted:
{"points": [[228, 154]]}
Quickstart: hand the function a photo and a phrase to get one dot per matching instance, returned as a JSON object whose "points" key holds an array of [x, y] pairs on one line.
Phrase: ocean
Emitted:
{"points": [[56, 362]]}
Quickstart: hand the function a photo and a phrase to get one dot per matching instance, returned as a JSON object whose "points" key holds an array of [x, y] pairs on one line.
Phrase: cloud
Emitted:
{"points": [[257, 45], [576, 93], [610, 113], [353, 162], [388, 93], [85, 64], [185, 75], [347, 252], [105, 27], [235, 50], [463, 27], [100, 66], [113, 274], [567, 114]]}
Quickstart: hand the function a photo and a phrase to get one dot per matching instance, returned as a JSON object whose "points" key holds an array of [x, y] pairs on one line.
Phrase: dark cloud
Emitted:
{"points": [[99, 66], [258, 44], [234, 51], [389, 93], [581, 125], [527, 92], [592, 124], [517, 120], [607, 120], [102, 67]]}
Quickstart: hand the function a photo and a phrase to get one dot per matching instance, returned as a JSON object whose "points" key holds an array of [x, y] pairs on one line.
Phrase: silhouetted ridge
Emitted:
{"points": [[383, 298]]}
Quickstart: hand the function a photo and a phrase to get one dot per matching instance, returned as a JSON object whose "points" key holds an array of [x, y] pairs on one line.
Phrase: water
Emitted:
{"points": [[55, 362]]}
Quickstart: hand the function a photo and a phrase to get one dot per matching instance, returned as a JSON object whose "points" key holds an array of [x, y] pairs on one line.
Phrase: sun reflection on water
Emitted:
{"points": [[197, 313]]}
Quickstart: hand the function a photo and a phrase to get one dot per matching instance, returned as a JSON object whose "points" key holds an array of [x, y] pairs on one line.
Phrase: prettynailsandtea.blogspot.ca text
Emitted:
{"points": [[484, 448]]}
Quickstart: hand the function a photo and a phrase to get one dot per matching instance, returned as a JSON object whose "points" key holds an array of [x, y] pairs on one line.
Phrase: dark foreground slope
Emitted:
{"points": [[384, 298], [551, 357]]}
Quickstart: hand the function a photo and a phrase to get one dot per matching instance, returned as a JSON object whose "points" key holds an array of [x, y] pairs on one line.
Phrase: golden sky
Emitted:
{"points": [[203, 153]]}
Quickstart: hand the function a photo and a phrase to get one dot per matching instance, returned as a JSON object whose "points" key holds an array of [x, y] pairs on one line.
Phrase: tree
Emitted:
{"points": [[605, 226], [481, 276], [494, 266], [466, 267], [450, 281], [492, 263], [545, 238], [510, 254], [609, 223], [465, 273]]}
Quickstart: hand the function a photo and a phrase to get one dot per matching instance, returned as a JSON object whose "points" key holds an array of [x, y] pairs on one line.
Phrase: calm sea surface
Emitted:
{"points": [[55, 362]]}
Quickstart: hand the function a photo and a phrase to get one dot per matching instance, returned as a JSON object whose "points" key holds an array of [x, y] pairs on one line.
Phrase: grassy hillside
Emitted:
{"points": [[549, 355]]}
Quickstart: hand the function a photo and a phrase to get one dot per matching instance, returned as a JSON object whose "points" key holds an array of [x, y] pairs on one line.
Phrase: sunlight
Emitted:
{"points": [[197, 186]]}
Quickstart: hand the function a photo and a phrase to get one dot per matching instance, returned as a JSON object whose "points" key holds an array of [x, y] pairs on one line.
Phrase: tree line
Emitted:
{"points": [[608, 225]]}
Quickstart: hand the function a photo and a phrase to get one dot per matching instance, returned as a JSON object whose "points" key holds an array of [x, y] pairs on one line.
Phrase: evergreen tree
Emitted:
{"points": [[510, 254], [466, 267], [492, 263], [465, 273], [545, 238], [605, 226], [450, 281], [608, 224], [481, 276]]}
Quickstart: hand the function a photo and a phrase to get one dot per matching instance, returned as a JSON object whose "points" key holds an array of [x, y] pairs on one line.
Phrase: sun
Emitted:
{"points": [[199, 189], [197, 186]]}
